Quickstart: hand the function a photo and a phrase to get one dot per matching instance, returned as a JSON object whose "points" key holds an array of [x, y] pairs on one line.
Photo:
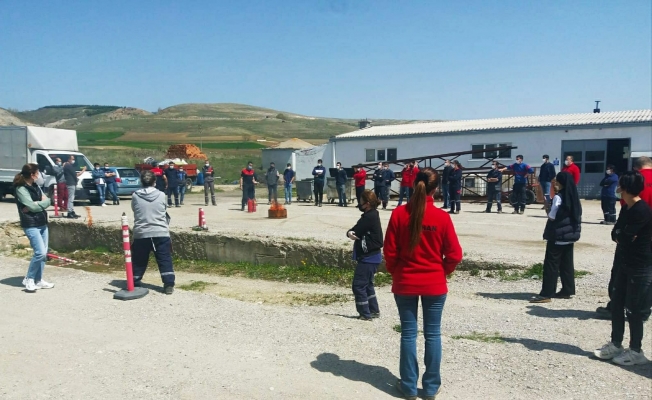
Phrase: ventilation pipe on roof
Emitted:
{"points": [[596, 110], [364, 123]]}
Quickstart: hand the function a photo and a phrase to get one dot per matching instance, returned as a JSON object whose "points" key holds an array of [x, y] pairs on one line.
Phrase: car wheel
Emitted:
{"points": [[188, 184]]}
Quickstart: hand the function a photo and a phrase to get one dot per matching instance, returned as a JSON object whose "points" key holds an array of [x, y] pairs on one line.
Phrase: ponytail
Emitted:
{"points": [[417, 209], [25, 173]]}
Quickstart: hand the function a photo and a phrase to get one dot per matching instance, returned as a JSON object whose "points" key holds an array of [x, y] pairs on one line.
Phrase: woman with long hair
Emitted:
{"points": [[421, 250], [32, 204], [455, 187], [562, 231], [368, 240]]}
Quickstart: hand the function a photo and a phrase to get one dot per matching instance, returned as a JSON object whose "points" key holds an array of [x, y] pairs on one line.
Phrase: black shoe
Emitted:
{"points": [[560, 295], [75, 216], [500, 211], [177, 205], [118, 201], [114, 203], [603, 313], [375, 315], [363, 318], [168, 289], [138, 284], [451, 212], [487, 211], [319, 204]]}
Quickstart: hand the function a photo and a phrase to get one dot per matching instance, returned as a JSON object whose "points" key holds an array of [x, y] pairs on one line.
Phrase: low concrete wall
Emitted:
{"points": [[67, 236]]}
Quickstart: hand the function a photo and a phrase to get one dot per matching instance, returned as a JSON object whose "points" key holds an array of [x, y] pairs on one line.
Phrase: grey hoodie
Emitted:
{"points": [[149, 207]]}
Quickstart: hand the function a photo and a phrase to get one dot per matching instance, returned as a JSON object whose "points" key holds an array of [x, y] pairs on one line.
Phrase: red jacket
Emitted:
{"points": [[408, 176], [573, 170], [646, 194], [360, 177], [421, 271]]}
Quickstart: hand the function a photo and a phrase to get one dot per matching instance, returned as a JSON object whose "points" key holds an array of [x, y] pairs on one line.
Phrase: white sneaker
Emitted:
{"points": [[608, 351], [44, 285], [630, 357], [29, 285], [103, 205], [25, 282]]}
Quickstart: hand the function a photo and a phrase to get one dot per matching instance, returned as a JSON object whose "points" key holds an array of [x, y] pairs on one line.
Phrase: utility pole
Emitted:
{"points": [[201, 138]]}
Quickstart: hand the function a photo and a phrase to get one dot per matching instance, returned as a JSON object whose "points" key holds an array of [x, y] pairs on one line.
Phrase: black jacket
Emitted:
{"points": [[340, 177], [31, 219], [388, 177], [547, 173], [379, 180], [562, 229], [446, 174], [494, 173], [455, 180], [370, 230]]}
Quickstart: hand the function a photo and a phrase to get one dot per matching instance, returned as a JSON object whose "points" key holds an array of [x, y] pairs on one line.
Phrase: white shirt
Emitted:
{"points": [[556, 203]]}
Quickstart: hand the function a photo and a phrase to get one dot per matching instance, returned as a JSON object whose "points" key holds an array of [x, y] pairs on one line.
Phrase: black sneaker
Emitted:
{"points": [[168, 289], [363, 318], [118, 201], [375, 315], [138, 283], [177, 205]]}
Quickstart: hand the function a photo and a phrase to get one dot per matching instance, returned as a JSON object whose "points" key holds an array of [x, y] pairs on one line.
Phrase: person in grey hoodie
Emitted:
{"points": [[151, 232], [271, 177]]}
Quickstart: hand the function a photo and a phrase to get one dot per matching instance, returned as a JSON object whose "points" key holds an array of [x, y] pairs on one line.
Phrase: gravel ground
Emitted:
{"points": [[233, 342]]}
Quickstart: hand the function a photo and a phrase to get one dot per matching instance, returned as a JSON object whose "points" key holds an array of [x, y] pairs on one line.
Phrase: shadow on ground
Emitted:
{"points": [[507, 296], [544, 312], [16, 281], [122, 285], [378, 377]]}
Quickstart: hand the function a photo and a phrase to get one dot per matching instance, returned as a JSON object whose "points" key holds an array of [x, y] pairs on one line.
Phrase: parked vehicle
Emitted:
{"points": [[193, 178], [127, 178], [20, 145]]}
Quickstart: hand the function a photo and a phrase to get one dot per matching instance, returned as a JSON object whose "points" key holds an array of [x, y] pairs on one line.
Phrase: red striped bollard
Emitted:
{"points": [[202, 217], [201, 212], [56, 202], [131, 292]]}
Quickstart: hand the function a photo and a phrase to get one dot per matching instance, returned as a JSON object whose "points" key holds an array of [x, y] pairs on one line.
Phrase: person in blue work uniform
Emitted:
{"points": [[494, 187], [521, 172], [288, 179], [111, 184], [546, 175], [445, 193], [455, 188], [367, 235], [388, 177], [319, 172], [608, 195], [340, 184], [182, 175], [378, 180]]}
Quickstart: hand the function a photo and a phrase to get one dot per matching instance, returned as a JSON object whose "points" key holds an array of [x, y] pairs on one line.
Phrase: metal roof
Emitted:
{"points": [[543, 121]]}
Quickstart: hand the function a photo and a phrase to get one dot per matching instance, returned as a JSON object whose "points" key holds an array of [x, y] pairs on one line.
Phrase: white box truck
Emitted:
{"points": [[20, 145]]}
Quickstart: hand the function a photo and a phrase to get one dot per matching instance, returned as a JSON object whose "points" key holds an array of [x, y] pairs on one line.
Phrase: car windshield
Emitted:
{"points": [[128, 173], [80, 160]]}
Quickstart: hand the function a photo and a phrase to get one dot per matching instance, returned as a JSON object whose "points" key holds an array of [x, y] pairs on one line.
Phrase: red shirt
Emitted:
{"points": [[408, 176], [423, 270], [646, 194], [360, 177], [573, 170], [157, 171]]}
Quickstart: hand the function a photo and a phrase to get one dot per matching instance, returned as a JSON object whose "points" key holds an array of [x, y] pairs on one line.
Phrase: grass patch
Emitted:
{"points": [[580, 273], [397, 328], [319, 299], [197, 286], [507, 272], [481, 337]]}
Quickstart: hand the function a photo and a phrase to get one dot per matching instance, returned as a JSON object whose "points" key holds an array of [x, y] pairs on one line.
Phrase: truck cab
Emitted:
{"points": [[46, 160]]}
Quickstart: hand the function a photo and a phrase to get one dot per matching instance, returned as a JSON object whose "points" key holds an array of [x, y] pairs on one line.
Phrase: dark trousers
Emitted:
{"points": [[385, 193], [632, 294], [445, 194], [615, 270], [358, 192], [162, 248], [112, 189], [248, 193], [378, 192], [272, 192], [319, 191], [558, 264], [209, 186], [341, 194], [609, 209], [519, 196], [404, 192], [454, 199], [363, 289], [493, 193], [173, 191]]}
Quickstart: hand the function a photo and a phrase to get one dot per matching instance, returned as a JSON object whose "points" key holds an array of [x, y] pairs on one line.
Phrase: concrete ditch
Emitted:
{"points": [[213, 247]]}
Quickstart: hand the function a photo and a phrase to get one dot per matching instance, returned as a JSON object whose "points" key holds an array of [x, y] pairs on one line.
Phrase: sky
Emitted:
{"points": [[334, 58]]}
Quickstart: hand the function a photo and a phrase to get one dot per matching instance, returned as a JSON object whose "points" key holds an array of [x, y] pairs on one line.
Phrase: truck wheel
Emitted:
{"points": [[188, 184]]}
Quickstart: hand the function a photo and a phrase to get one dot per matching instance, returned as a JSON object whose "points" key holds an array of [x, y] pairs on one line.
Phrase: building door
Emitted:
{"points": [[590, 156], [618, 154]]}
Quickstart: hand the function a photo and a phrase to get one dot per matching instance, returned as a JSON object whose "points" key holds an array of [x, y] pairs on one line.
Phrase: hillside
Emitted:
{"points": [[7, 119]]}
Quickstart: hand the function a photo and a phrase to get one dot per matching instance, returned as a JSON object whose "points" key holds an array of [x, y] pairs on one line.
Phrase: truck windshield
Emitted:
{"points": [[80, 160]]}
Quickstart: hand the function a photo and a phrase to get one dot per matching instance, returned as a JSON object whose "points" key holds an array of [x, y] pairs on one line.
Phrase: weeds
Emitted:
{"points": [[197, 286], [397, 328], [481, 337], [319, 299]]}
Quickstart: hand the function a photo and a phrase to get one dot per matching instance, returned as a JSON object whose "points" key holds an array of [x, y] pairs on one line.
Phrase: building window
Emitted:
{"points": [[490, 153], [372, 155]]}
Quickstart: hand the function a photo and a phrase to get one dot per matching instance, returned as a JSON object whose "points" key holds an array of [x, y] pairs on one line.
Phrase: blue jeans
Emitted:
{"points": [[433, 307], [112, 188], [403, 192], [288, 192], [38, 239], [101, 190], [445, 195], [545, 188], [341, 193], [182, 192]]}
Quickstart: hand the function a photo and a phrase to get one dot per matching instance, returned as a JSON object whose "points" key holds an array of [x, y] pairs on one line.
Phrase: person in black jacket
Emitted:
{"points": [[388, 177], [340, 184], [368, 240], [562, 231], [379, 182], [445, 194], [546, 175], [494, 187], [455, 187]]}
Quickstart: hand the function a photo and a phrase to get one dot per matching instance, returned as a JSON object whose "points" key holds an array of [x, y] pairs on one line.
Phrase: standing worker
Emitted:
{"points": [[151, 232], [445, 193], [388, 178], [407, 180], [571, 168], [378, 181], [272, 177], [160, 178], [319, 172], [111, 184], [546, 175], [288, 179], [494, 187], [608, 195], [31, 203], [368, 240], [520, 181], [209, 182], [182, 175], [247, 184], [71, 175], [340, 184], [62, 189], [421, 250], [172, 184], [100, 184], [360, 177], [455, 188]]}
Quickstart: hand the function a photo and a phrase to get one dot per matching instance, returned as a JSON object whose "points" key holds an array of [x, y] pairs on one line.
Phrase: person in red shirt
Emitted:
{"points": [[408, 175], [421, 248], [160, 177], [572, 169], [359, 178]]}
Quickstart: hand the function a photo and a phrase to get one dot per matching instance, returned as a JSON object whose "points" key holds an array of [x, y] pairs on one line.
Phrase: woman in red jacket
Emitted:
{"points": [[359, 177], [421, 249]]}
